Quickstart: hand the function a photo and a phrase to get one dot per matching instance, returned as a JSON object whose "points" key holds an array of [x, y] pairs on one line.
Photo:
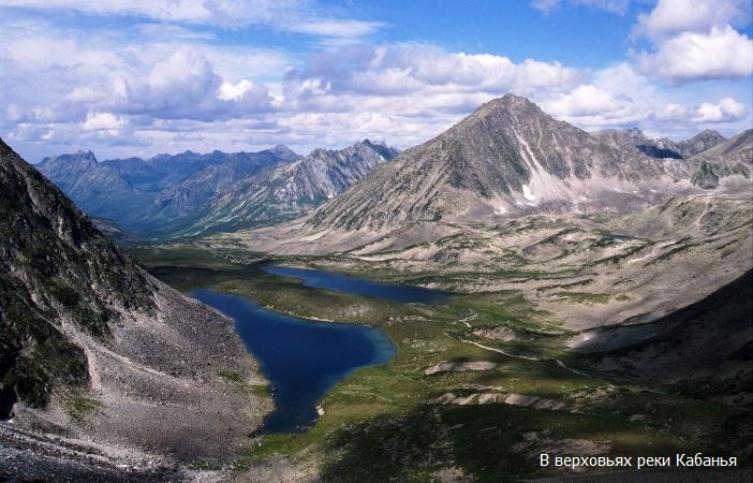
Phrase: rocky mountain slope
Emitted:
{"points": [[733, 158], [507, 158], [510, 199], [633, 139], [94, 348], [154, 197], [676, 346], [291, 190]]}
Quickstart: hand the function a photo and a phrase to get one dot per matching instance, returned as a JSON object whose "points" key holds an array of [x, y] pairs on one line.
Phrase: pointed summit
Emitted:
{"points": [[506, 156], [283, 152], [508, 105], [701, 142], [80, 158]]}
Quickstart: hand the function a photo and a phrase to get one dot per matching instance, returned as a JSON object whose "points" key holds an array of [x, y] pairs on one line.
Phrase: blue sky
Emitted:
{"points": [[140, 77]]}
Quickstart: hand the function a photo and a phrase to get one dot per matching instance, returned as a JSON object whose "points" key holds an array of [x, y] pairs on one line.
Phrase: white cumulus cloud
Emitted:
{"points": [[721, 53], [102, 121], [583, 100], [696, 40], [727, 109], [671, 17]]}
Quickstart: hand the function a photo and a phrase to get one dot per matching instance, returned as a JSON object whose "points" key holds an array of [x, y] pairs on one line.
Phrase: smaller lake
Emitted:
{"points": [[302, 359], [347, 284]]}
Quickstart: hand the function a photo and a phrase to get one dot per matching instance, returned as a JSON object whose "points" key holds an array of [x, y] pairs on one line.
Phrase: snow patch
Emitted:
{"points": [[528, 194]]}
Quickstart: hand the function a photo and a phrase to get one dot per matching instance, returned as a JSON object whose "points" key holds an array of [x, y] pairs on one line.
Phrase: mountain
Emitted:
{"points": [[702, 141], [95, 349], [166, 170], [113, 232], [733, 157], [506, 160], [290, 190], [633, 139], [154, 197], [508, 157], [709, 340], [98, 189]]}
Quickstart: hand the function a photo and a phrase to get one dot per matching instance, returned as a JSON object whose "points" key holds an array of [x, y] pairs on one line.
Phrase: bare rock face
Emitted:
{"points": [[507, 158], [292, 190], [54, 264], [731, 158], [634, 140], [701, 142], [95, 348]]}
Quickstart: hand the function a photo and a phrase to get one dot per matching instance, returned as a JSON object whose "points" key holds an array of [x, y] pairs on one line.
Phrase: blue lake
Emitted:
{"points": [[301, 358], [347, 284]]}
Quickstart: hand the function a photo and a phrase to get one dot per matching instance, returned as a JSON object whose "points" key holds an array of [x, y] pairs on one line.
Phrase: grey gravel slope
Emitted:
{"points": [[96, 350]]}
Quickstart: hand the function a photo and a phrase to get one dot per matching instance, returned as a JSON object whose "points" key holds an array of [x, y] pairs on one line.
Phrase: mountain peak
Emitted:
{"points": [[709, 132], [708, 135], [380, 147], [508, 101], [369, 143], [503, 111], [701, 142], [79, 157], [512, 99], [635, 132], [283, 152], [507, 156]]}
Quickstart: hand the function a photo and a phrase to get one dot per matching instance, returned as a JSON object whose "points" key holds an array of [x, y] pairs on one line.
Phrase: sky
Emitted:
{"points": [[142, 77]]}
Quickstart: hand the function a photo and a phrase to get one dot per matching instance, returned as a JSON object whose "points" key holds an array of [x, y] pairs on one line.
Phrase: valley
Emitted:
{"points": [[337, 241], [512, 287], [480, 384]]}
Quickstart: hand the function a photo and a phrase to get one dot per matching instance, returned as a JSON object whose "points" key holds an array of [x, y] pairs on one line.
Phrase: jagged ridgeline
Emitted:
{"points": [[191, 194], [509, 158], [56, 270]]}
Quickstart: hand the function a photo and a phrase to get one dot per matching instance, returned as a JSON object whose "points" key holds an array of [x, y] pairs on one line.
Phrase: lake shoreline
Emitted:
{"points": [[299, 356]]}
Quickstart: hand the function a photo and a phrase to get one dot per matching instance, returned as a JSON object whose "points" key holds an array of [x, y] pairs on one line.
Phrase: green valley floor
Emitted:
{"points": [[481, 385]]}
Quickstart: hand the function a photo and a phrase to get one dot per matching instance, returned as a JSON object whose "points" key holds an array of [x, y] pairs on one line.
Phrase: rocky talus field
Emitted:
{"points": [[105, 372]]}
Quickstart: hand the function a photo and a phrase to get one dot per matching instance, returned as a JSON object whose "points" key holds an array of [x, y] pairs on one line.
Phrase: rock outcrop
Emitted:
{"points": [[94, 348]]}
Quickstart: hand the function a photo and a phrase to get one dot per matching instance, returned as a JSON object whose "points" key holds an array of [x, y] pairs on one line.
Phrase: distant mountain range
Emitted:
{"points": [[154, 197], [292, 189], [508, 158], [190, 194], [660, 148]]}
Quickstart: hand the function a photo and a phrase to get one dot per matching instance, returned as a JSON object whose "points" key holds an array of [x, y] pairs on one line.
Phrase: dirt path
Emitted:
{"points": [[527, 358]]}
